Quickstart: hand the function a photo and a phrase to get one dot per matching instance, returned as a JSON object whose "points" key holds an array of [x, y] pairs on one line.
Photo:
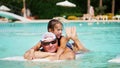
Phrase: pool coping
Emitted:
{"points": [[67, 21], [64, 21]]}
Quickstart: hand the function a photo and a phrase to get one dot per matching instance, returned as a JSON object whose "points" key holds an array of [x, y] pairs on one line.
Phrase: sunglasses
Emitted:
{"points": [[48, 43]]}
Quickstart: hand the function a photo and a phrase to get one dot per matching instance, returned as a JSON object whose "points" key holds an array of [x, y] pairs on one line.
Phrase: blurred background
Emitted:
{"points": [[47, 9]]}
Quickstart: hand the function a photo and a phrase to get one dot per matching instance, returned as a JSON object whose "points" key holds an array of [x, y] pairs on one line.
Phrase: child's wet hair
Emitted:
{"points": [[52, 23]]}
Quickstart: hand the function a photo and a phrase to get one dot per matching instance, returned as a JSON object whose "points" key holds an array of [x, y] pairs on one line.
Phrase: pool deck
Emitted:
{"points": [[64, 21], [67, 21]]}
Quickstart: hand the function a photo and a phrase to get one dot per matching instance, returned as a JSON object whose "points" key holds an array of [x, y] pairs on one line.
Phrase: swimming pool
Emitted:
{"points": [[102, 39]]}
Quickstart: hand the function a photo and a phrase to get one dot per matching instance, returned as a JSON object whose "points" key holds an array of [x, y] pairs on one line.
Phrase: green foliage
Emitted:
{"points": [[101, 10], [118, 13], [47, 9], [72, 14]]}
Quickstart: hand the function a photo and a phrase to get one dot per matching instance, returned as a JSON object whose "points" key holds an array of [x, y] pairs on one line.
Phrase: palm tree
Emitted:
{"points": [[24, 8], [113, 6], [101, 9], [100, 3], [88, 5]]}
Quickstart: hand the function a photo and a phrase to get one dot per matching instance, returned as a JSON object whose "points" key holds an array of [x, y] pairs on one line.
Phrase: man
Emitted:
{"points": [[48, 49]]}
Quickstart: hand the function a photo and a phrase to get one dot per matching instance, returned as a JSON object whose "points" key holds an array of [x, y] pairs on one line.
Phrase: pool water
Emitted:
{"points": [[102, 39]]}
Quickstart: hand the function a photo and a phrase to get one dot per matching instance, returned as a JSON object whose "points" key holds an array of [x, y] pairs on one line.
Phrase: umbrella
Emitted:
{"points": [[4, 8], [66, 4]]}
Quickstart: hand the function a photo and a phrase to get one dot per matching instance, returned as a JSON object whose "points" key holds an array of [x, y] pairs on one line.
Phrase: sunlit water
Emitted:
{"points": [[102, 39]]}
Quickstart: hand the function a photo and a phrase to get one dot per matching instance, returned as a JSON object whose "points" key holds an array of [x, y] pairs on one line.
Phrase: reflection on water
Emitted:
{"points": [[65, 64]]}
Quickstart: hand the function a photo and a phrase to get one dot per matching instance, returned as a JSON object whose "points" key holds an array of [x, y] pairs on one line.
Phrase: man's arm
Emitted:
{"points": [[40, 54], [30, 53]]}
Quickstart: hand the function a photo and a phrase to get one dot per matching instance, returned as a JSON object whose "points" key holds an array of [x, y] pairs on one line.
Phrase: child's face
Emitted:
{"points": [[58, 30]]}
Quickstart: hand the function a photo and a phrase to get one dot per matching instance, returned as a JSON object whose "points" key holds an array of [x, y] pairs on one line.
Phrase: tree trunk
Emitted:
{"points": [[113, 6], [100, 3], [88, 5], [24, 9]]}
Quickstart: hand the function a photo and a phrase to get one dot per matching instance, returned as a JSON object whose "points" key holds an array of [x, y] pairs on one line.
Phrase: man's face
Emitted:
{"points": [[50, 46]]}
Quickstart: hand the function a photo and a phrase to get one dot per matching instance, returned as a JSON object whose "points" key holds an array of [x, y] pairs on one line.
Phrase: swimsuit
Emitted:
{"points": [[68, 44]]}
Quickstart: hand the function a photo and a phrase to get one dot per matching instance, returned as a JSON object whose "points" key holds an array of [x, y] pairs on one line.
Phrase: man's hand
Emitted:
{"points": [[29, 54]]}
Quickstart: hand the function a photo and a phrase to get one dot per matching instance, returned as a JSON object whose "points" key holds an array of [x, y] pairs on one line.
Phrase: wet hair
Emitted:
{"points": [[52, 23]]}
